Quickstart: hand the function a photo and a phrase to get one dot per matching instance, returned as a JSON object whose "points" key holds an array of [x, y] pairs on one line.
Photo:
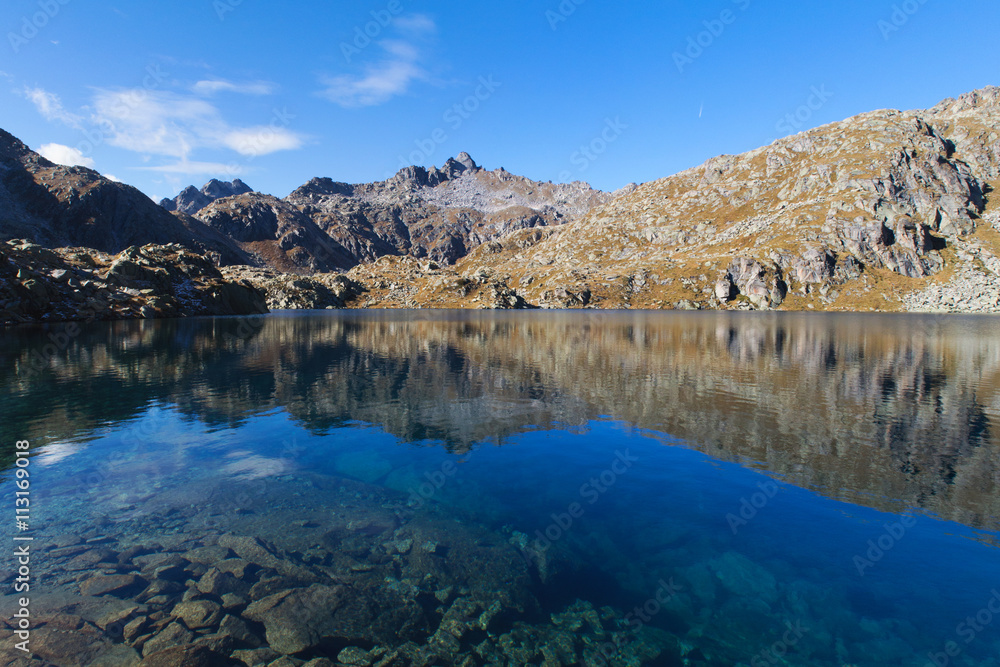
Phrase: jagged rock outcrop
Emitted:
{"points": [[152, 281], [285, 291], [190, 200]]}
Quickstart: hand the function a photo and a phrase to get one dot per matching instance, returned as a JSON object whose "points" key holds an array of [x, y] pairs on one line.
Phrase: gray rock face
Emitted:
{"points": [[190, 200], [765, 288]]}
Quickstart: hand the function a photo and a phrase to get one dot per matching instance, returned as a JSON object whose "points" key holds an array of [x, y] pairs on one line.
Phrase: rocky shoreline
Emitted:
{"points": [[148, 282]]}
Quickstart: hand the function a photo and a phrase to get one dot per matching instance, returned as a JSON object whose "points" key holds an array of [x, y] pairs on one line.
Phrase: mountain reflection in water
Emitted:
{"points": [[403, 488], [890, 412]]}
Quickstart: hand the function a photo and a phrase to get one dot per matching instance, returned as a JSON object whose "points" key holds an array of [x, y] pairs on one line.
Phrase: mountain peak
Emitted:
{"points": [[190, 200], [466, 160]]}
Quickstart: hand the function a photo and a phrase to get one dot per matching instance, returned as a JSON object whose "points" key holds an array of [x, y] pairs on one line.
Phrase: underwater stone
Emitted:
{"points": [[63, 647], [295, 621], [445, 594], [231, 601], [354, 656], [256, 656], [237, 567], [116, 620], [398, 546], [208, 555], [285, 661], [134, 628], [221, 644], [259, 552], [218, 583], [741, 576], [366, 466], [113, 584], [271, 585], [174, 634], [184, 656], [232, 626], [198, 614], [171, 573]]}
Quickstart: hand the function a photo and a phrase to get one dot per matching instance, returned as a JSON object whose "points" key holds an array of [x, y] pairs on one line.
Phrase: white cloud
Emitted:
{"points": [[415, 23], [380, 83], [210, 87], [157, 122], [189, 168], [164, 124], [167, 124], [50, 106], [112, 177], [65, 155], [262, 140], [387, 78]]}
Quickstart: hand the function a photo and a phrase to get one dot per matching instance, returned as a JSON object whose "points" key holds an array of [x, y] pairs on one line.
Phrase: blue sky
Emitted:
{"points": [[162, 95]]}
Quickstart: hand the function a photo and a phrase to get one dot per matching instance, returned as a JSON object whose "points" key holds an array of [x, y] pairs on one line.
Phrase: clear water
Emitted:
{"points": [[621, 488]]}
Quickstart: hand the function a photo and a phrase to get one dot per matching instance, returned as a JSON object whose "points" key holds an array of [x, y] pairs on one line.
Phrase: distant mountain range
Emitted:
{"points": [[888, 210], [438, 214]]}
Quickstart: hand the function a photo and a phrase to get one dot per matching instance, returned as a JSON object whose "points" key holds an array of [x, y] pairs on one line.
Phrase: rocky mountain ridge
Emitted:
{"points": [[888, 210], [190, 200], [438, 213]]}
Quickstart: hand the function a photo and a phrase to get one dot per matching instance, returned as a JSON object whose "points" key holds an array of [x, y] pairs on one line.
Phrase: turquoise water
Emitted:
{"points": [[597, 488]]}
